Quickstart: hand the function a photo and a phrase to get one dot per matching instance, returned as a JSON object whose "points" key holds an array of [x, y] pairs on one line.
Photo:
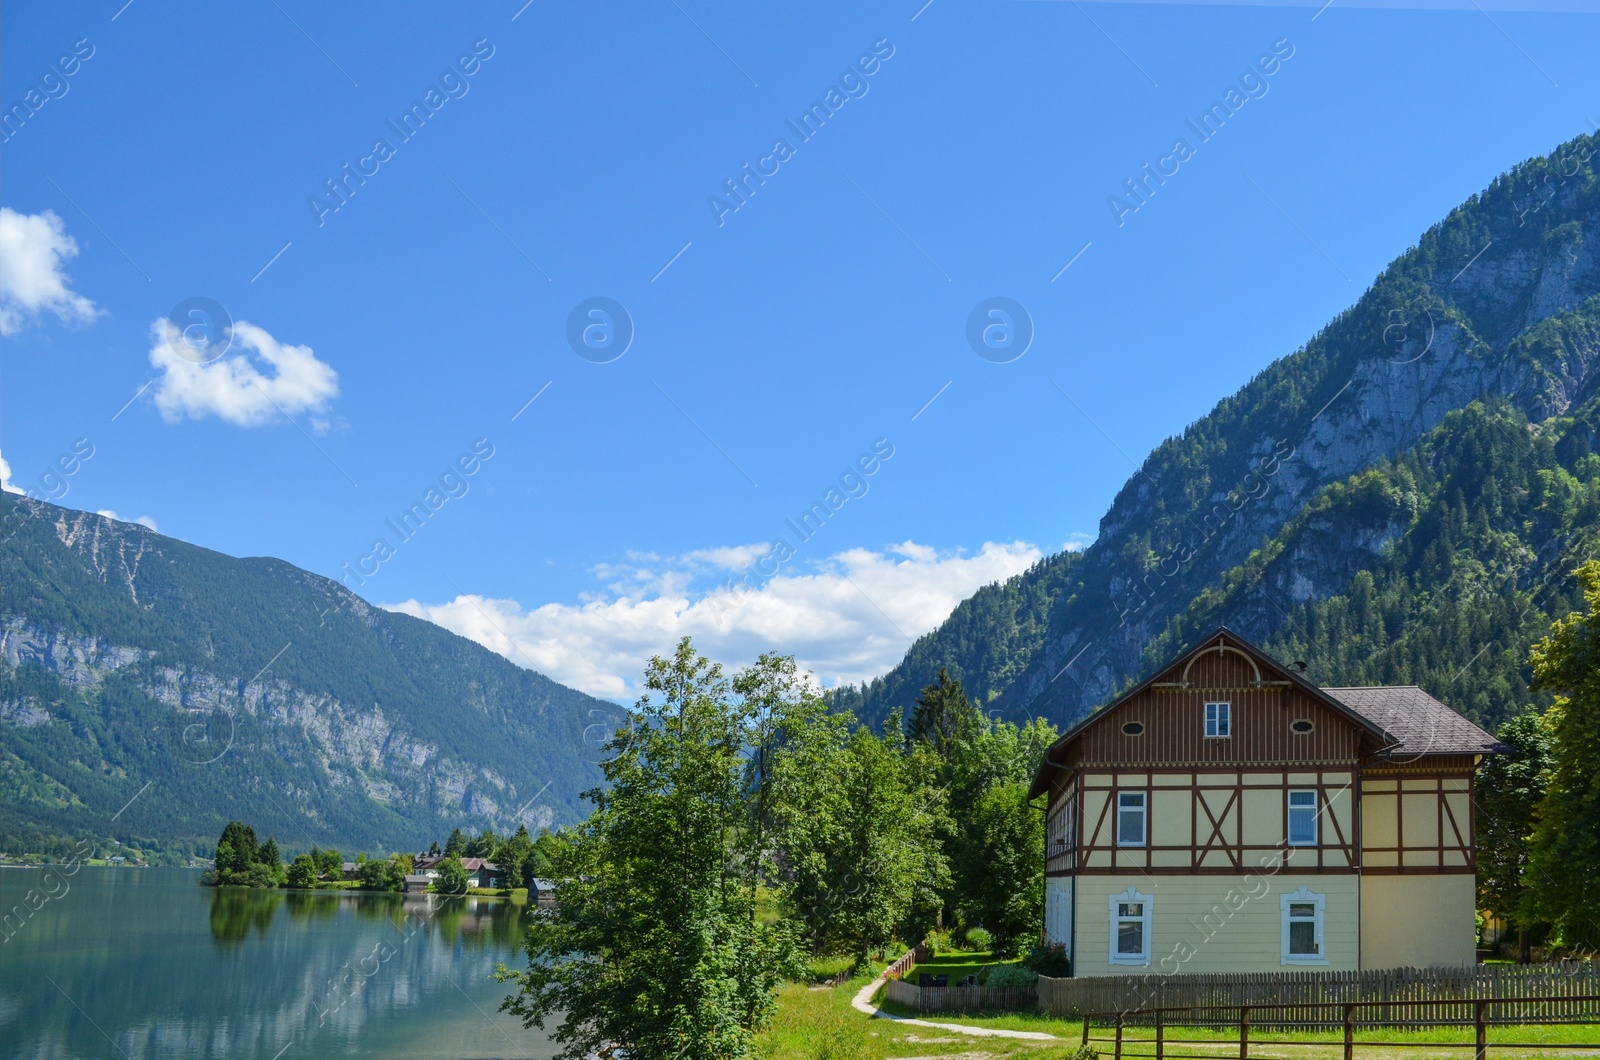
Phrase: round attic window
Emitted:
{"points": [[1301, 727], [1133, 728]]}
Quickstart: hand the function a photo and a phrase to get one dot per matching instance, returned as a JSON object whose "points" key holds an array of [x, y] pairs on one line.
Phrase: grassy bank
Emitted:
{"points": [[818, 1024]]}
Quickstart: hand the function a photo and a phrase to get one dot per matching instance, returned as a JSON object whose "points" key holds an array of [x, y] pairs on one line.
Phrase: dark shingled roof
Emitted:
{"points": [[1421, 724]]}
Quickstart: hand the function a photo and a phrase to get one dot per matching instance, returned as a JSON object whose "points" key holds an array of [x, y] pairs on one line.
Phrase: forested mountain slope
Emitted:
{"points": [[1260, 514], [251, 689]]}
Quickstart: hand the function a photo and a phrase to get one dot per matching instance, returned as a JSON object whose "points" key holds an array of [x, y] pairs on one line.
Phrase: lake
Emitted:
{"points": [[147, 963]]}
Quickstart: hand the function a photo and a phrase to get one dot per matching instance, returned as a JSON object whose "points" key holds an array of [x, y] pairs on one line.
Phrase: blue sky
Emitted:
{"points": [[574, 152]]}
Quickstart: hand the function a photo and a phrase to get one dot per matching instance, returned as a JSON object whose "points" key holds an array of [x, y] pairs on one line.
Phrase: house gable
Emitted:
{"points": [[1160, 723]]}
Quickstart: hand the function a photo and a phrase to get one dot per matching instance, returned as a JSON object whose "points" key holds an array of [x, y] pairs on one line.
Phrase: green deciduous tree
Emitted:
{"points": [[452, 878], [656, 945], [1004, 835], [888, 872], [1564, 870], [303, 871], [1510, 787]]}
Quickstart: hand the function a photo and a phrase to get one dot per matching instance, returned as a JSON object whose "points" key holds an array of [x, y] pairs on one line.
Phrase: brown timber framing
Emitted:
{"points": [[1463, 847], [1098, 841]]}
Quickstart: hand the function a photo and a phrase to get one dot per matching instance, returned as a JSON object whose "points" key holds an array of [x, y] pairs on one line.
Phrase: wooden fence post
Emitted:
{"points": [[1244, 1033], [1119, 1036], [1349, 1032], [1160, 1052], [1086, 1030], [1481, 1008]]}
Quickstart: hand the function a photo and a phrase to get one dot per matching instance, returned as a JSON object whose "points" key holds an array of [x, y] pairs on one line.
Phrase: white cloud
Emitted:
{"points": [[233, 387], [847, 619], [6, 485], [143, 520], [33, 247]]}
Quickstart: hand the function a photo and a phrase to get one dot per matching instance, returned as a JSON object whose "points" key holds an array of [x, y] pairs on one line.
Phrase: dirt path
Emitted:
{"points": [[862, 1002]]}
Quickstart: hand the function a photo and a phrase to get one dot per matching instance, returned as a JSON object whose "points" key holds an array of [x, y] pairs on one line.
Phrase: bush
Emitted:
{"points": [[979, 939], [1050, 960], [938, 942], [1003, 976]]}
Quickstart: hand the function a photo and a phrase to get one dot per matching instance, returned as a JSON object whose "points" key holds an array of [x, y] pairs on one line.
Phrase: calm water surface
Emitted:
{"points": [[146, 963]]}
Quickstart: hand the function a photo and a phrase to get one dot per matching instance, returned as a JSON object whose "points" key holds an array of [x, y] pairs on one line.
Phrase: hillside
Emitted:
{"points": [[1349, 506], [252, 689]]}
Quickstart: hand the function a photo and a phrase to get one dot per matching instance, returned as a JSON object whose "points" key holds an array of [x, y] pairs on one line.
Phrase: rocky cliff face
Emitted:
{"points": [[1488, 305], [251, 689]]}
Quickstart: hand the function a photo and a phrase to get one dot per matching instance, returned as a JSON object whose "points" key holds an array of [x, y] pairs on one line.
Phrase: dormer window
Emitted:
{"points": [[1219, 721]]}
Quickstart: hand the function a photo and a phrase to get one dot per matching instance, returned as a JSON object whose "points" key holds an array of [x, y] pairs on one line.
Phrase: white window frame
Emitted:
{"points": [[1300, 897], [1144, 818], [1289, 811], [1219, 720], [1146, 907]]}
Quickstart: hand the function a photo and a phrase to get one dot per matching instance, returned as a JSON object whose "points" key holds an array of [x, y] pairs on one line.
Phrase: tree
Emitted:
{"points": [[386, 874], [1564, 869], [1007, 839], [656, 946], [804, 813], [456, 845], [237, 850], [240, 861], [483, 845], [513, 855], [1510, 787], [303, 871], [452, 878], [943, 715], [330, 865], [889, 868]]}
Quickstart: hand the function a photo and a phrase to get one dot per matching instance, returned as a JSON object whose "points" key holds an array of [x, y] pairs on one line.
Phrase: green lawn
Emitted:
{"points": [[957, 964], [819, 1024]]}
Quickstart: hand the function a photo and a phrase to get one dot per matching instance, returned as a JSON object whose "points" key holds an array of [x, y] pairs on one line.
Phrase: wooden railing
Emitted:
{"points": [[1344, 1013]]}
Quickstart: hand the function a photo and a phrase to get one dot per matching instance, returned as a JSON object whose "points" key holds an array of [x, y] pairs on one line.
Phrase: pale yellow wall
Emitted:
{"points": [[1215, 923], [1263, 816], [1422, 921], [1378, 826]]}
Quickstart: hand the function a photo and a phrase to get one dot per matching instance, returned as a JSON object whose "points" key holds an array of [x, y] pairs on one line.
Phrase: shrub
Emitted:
{"points": [[1002, 976], [1050, 960], [979, 939], [938, 942]]}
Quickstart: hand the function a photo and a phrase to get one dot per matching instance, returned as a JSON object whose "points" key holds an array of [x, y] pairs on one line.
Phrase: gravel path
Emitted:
{"points": [[862, 1002]]}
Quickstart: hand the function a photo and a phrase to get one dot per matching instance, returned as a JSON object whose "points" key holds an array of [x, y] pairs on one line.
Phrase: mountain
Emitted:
{"points": [[1401, 499], [152, 690]]}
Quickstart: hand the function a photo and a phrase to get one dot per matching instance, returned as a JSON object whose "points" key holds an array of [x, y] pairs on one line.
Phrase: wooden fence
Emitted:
{"points": [[1350, 1017], [962, 998], [1565, 991], [899, 967]]}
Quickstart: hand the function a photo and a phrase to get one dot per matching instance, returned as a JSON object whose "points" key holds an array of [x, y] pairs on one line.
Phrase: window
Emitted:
{"points": [[1133, 728], [1301, 727], [1130, 927], [1130, 818], [1302, 818], [1302, 927], [1062, 828], [1219, 723]]}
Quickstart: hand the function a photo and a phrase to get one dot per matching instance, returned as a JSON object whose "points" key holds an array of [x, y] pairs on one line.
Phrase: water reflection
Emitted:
{"points": [[167, 968], [235, 910], [474, 923]]}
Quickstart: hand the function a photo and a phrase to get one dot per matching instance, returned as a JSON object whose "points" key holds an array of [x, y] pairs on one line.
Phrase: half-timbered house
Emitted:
{"points": [[1226, 814]]}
